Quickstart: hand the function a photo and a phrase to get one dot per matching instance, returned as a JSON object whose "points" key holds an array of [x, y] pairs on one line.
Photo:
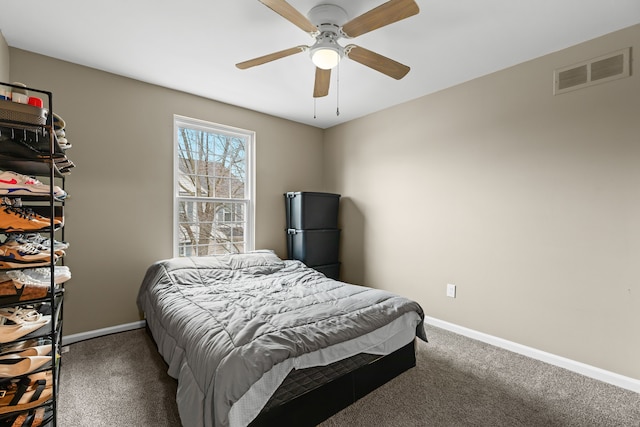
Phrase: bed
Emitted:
{"points": [[256, 340]]}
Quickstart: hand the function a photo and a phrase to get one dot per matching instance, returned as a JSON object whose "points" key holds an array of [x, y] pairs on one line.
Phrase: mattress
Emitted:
{"points": [[301, 381]]}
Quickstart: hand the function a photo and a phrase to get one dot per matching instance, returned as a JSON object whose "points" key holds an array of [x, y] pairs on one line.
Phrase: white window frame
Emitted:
{"points": [[183, 121]]}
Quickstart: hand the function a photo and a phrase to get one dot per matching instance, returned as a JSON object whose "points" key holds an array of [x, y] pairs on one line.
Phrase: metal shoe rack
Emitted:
{"points": [[33, 127]]}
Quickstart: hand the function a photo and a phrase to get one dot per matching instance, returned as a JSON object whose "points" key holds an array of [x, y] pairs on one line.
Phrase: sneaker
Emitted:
{"points": [[16, 204], [45, 241], [11, 243], [23, 254], [64, 144], [39, 241], [21, 185], [64, 163], [40, 276], [14, 220], [58, 122]]}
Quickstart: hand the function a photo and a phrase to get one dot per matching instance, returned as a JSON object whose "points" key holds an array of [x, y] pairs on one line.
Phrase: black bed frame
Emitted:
{"points": [[315, 406]]}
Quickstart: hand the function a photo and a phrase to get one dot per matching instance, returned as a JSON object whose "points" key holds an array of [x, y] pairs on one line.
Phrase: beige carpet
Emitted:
{"points": [[120, 380], [116, 381]]}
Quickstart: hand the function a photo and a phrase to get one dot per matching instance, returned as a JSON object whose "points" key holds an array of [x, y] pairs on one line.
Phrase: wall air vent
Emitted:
{"points": [[612, 66]]}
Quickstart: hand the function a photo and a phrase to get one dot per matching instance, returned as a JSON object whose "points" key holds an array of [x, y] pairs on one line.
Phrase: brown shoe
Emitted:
{"points": [[15, 219]]}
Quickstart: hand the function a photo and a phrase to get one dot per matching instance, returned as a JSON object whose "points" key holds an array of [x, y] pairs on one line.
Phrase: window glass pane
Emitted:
{"points": [[223, 187], [208, 228], [211, 164]]}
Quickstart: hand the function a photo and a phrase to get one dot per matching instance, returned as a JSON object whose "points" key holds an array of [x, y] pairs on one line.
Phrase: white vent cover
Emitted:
{"points": [[612, 66]]}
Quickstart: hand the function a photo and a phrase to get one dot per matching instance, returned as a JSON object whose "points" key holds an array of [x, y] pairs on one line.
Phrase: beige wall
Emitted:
{"points": [[4, 60], [119, 215], [528, 202]]}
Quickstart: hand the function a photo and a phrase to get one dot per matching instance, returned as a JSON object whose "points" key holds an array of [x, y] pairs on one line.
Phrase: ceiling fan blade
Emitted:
{"points": [[323, 78], [385, 14], [376, 61], [291, 14], [270, 57]]}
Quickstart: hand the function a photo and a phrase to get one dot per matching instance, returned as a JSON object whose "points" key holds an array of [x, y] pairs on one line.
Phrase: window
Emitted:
{"points": [[213, 188]]}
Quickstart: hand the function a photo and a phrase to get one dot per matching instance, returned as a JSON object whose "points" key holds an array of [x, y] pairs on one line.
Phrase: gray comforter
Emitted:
{"points": [[222, 322]]}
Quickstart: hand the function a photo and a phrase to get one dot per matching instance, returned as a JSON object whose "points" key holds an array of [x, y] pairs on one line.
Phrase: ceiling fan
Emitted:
{"points": [[327, 23]]}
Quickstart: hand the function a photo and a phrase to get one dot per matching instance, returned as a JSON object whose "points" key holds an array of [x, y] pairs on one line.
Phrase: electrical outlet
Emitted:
{"points": [[451, 290]]}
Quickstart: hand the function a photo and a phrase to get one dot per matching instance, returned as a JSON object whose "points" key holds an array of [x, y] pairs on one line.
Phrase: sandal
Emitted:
{"points": [[25, 319], [12, 291], [9, 292], [21, 314], [26, 392], [32, 418]]}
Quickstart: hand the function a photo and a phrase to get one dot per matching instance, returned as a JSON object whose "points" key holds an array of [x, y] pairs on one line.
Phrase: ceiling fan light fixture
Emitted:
{"points": [[326, 52], [325, 57]]}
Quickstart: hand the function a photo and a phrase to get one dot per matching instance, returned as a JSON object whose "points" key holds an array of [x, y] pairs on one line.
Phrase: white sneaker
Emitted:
{"points": [[15, 184], [40, 276]]}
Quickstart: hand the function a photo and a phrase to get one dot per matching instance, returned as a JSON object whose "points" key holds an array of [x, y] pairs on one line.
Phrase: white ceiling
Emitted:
{"points": [[193, 46]]}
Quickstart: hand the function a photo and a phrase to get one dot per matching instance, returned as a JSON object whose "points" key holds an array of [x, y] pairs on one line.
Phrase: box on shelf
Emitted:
{"points": [[24, 113], [311, 211]]}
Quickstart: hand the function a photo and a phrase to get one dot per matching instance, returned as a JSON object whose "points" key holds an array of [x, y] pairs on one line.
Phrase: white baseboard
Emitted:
{"points": [[70, 339], [552, 359]]}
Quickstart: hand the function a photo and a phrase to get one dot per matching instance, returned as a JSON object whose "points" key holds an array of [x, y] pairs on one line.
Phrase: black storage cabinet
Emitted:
{"points": [[313, 236]]}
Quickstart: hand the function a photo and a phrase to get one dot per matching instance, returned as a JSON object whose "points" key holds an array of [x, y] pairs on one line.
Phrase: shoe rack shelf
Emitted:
{"points": [[31, 288]]}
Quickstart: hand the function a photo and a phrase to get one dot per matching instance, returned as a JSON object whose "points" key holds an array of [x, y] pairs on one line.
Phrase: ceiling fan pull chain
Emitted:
{"points": [[314, 108], [338, 90]]}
